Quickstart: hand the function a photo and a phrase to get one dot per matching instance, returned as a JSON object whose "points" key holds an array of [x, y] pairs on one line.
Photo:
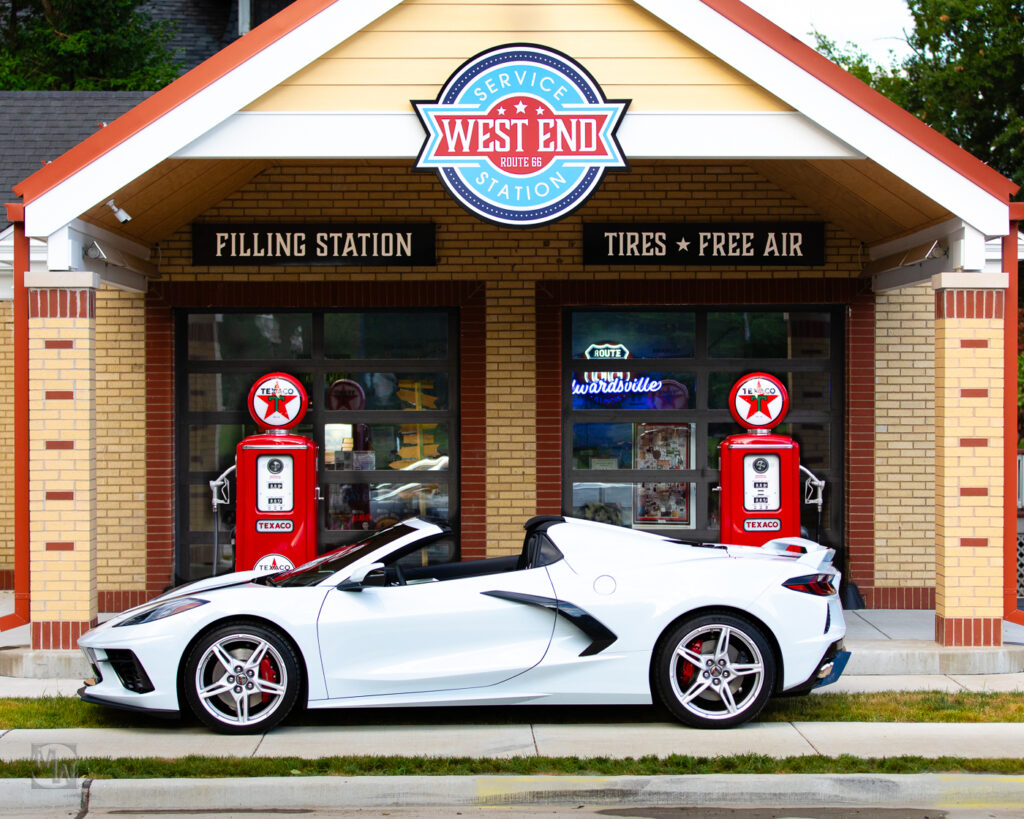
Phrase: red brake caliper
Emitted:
{"points": [[267, 673], [688, 669]]}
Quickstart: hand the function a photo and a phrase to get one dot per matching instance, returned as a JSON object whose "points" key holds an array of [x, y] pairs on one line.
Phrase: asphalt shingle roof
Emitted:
{"points": [[39, 126]]}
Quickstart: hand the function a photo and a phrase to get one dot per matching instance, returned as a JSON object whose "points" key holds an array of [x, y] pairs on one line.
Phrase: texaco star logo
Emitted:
{"points": [[277, 401], [758, 401]]}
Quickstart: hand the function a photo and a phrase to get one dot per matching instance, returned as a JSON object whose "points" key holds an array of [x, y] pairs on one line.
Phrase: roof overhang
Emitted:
{"points": [[198, 115]]}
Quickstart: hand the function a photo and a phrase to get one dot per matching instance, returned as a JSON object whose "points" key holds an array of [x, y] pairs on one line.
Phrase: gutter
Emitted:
{"points": [[16, 215]]}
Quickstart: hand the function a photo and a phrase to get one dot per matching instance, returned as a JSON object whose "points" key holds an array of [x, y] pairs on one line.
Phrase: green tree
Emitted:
{"points": [[964, 75], [83, 45]]}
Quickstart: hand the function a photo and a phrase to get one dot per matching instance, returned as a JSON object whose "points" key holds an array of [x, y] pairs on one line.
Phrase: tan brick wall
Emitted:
{"points": [[905, 437], [61, 578], [969, 455], [510, 263], [120, 439], [7, 438]]}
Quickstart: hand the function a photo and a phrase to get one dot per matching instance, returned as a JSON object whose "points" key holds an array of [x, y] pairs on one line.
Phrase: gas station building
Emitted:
{"points": [[265, 213]]}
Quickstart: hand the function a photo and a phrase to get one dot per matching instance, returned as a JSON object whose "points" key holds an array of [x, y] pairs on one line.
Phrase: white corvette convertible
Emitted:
{"points": [[588, 613]]}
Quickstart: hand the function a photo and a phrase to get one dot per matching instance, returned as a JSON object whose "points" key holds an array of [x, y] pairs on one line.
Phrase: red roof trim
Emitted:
{"points": [[862, 95], [293, 16], [169, 98]]}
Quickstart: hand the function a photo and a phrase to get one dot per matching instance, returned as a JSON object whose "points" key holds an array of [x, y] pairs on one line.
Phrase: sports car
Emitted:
{"points": [[586, 613]]}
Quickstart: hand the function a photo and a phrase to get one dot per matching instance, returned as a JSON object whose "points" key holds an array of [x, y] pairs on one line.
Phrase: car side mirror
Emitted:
{"points": [[355, 581]]}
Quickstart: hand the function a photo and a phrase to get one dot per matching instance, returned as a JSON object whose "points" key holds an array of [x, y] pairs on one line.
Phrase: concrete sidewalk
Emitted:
{"points": [[613, 740]]}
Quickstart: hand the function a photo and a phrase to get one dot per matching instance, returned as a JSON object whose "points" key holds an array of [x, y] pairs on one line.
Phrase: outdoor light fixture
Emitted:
{"points": [[120, 213]]}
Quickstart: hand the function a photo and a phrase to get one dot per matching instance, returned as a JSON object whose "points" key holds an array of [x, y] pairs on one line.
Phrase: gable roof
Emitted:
{"points": [[253, 64]]}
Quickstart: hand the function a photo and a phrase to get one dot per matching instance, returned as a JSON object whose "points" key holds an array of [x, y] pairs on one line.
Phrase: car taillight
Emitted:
{"points": [[819, 584]]}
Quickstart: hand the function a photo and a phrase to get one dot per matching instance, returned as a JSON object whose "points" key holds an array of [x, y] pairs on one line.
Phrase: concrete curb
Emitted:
{"points": [[895, 657], [925, 791]]}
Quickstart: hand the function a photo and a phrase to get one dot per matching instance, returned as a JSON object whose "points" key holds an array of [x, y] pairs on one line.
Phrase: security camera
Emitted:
{"points": [[120, 213]]}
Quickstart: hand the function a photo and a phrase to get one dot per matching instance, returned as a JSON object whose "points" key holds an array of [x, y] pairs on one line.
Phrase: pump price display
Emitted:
{"points": [[275, 483], [761, 483]]}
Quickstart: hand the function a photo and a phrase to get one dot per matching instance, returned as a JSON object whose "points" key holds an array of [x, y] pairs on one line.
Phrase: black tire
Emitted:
{"points": [[714, 671], [242, 678]]}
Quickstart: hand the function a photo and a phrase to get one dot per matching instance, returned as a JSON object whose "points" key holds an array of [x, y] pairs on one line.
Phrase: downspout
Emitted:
{"points": [[1010, 264], [16, 215]]}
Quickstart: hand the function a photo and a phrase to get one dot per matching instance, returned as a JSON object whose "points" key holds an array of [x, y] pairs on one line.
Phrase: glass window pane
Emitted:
{"points": [[807, 390], [608, 335], [378, 505], [211, 447], [248, 336], [633, 391], [386, 446], [603, 502], [664, 503], [664, 446], [385, 335], [757, 334], [602, 446], [387, 391]]}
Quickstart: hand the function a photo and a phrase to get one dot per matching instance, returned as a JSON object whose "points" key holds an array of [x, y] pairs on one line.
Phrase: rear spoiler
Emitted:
{"points": [[805, 552]]}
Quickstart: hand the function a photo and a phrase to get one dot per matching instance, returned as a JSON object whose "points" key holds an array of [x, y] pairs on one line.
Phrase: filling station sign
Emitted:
{"points": [[520, 135]]}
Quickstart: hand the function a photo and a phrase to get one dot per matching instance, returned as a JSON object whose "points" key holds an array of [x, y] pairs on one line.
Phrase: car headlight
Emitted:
{"points": [[163, 610]]}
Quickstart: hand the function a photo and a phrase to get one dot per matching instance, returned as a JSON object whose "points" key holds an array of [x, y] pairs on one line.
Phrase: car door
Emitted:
{"points": [[434, 636]]}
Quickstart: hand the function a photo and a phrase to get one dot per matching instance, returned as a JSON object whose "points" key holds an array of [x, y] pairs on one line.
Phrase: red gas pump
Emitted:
{"points": [[760, 471], [276, 522]]}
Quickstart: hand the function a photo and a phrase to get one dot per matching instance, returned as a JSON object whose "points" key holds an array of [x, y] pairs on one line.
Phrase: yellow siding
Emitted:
{"points": [[411, 51]]}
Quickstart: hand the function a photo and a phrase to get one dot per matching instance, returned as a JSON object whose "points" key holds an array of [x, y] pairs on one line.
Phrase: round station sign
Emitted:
{"points": [[758, 401], [277, 401], [521, 135]]}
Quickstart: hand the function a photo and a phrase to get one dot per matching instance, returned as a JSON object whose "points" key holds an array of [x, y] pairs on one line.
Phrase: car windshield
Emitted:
{"points": [[309, 574]]}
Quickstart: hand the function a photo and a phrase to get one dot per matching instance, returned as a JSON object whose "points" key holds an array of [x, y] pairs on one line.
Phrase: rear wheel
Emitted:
{"points": [[242, 679], [714, 671]]}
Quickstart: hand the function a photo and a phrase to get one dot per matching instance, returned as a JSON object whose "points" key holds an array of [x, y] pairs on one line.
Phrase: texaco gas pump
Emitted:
{"points": [[760, 471], [275, 513]]}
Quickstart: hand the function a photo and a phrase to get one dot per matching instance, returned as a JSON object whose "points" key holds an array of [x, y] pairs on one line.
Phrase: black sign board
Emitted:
{"points": [[732, 244], [328, 243]]}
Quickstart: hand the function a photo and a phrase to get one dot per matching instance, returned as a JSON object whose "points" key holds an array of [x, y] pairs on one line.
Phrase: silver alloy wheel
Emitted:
{"points": [[231, 683], [717, 671]]}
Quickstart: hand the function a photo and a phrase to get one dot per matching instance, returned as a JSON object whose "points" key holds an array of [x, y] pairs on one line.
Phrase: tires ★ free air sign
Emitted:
{"points": [[521, 135]]}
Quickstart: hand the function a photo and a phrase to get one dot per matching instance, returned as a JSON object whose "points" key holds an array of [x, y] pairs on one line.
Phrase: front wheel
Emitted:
{"points": [[714, 671], [241, 679]]}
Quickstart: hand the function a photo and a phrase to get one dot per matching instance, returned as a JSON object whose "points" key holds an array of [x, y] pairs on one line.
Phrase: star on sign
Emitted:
{"points": [[501, 111], [520, 107], [540, 112], [684, 246], [274, 401]]}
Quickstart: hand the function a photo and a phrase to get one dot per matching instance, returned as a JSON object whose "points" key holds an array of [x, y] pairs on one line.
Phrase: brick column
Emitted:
{"points": [[62, 444], [969, 480]]}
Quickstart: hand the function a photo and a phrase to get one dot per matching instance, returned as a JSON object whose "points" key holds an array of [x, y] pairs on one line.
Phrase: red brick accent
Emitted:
{"points": [[977, 393], [969, 304], [60, 444], [60, 496], [973, 442], [54, 634], [61, 303], [6, 579], [60, 546], [59, 344], [159, 446], [973, 542], [860, 446], [973, 492], [973, 343], [59, 395], [112, 601], [888, 597], [968, 631]]}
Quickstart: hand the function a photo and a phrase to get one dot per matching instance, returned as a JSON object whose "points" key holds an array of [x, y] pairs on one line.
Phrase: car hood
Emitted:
{"points": [[208, 584]]}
